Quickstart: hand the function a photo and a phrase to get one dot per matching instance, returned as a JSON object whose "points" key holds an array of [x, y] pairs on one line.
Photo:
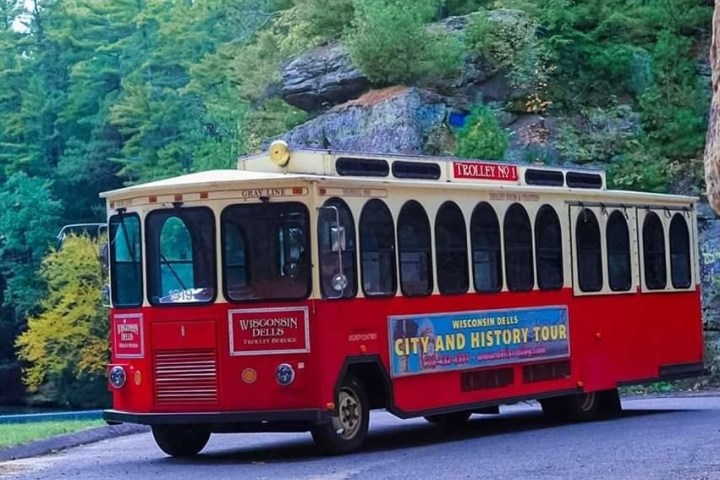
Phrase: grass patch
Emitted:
{"points": [[17, 433]]}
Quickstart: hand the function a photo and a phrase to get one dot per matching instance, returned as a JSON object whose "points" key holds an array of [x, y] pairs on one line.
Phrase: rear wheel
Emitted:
{"points": [[580, 407], [347, 431], [180, 440], [610, 405], [454, 419]]}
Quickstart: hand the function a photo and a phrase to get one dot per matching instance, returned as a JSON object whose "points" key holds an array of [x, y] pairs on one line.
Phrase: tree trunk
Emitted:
{"points": [[712, 145]]}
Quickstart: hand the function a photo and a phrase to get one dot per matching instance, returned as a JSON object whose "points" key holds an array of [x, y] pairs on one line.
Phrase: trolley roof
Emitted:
{"points": [[283, 168]]}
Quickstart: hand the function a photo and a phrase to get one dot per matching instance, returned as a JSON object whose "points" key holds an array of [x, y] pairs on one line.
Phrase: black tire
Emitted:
{"points": [[581, 407], [455, 419], [610, 405], [346, 432], [554, 408], [180, 440]]}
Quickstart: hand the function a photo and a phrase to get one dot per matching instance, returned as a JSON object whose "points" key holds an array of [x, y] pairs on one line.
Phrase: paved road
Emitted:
{"points": [[675, 438]]}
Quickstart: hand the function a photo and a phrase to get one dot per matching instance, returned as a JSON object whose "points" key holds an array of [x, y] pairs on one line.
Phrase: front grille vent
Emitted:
{"points": [[187, 376]]}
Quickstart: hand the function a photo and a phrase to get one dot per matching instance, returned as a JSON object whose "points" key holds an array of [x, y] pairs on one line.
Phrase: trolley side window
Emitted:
{"points": [[451, 246], [415, 250], [125, 261], [548, 244], [518, 249], [654, 252], [679, 252], [486, 251], [589, 252], [266, 253], [618, 252], [181, 255], [235, 255], [377, 250], [330, 241]]}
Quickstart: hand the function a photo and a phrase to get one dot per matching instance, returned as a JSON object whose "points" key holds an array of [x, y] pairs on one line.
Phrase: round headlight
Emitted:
{"points": [[117, 376], [285, 374]]}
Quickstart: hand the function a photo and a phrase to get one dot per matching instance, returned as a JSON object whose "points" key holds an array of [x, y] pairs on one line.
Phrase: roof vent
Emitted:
{"points": [[419, 170], [362, 167]]}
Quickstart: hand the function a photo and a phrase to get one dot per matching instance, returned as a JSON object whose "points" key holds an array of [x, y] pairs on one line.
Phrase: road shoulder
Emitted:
{"points": [[69, 440]]}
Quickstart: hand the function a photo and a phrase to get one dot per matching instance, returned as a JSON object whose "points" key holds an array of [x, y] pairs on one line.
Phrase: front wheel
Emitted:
{"points": [[180, 440], [347, 431]]}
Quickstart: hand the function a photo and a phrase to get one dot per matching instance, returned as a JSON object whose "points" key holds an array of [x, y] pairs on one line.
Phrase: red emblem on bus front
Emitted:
{"points": [[267, 331], [128, 335], [485, 171]]}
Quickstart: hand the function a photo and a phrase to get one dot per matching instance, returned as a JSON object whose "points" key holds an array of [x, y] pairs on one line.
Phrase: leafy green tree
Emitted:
{"points": [[28, 227], [65, 346], [482, 136], [391, 43]]}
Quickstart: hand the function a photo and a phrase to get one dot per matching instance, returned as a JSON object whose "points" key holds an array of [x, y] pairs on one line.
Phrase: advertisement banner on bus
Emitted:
{"points": [[461, 340]]}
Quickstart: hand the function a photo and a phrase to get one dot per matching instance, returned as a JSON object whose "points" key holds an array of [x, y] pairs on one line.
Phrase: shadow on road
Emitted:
{"points": [[389, 437]]}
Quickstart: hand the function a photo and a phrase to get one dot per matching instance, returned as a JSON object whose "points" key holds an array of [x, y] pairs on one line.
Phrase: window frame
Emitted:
{"points": [[665, 214], [354, 275], [530, 245], [423, 221], [579, 214], [561, 260], [212, 245], [112, 266], [632, 238], [361, 237], [500, 250], [448, 206], [671, 221]]}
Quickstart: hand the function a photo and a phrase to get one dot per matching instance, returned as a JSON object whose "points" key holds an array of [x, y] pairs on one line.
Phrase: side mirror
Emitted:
{"points": [[104, 256], [337, 239], [105, 292]]}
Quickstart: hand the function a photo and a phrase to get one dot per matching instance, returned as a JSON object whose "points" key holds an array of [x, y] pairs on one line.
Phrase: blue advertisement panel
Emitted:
{"points": [[461, 340]]}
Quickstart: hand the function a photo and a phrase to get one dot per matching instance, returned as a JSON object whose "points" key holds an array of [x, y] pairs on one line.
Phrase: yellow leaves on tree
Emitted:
{"points": [[70, 335]]}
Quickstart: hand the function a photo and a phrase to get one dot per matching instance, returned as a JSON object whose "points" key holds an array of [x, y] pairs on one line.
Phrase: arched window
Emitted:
{"points": [[377, 249], [451, 244], [617, 236], [486, 252], [589, 252], [335, 243], [518, 249], [679, 252], [654, 252], [415, 251], [548, 245]]}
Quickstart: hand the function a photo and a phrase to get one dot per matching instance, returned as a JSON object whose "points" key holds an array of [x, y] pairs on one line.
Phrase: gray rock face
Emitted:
{"points": [[322, 78], [393, 120], [709, 239]]}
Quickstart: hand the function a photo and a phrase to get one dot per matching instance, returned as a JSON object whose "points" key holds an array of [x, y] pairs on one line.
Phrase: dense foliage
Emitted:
{"points": [[96, 94], [66, 343], [482, 136]]}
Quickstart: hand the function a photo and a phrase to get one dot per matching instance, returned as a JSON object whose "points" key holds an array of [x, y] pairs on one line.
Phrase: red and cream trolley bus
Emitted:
{"points": [[306, 288]]}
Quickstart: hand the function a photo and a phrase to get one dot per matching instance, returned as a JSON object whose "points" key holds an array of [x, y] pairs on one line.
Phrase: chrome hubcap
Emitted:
{"points": [[347, 423]]}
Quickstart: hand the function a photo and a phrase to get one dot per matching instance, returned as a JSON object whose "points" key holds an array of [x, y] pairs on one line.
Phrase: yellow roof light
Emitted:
{"points": [[279, 153]]}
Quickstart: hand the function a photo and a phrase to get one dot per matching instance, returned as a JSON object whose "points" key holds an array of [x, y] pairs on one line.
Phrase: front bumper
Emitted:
{"points": [[258, 421]]}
